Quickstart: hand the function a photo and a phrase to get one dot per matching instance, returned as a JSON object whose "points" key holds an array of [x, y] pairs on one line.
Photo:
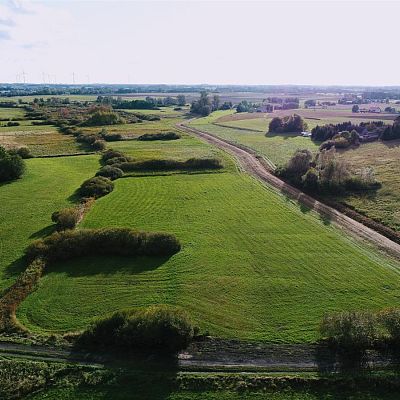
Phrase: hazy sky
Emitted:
{"points": [[225, 42]]}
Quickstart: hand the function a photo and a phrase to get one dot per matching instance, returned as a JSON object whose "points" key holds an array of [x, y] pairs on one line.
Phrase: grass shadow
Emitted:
{"points": [[41, 233], [106, 265], [15, 268]]}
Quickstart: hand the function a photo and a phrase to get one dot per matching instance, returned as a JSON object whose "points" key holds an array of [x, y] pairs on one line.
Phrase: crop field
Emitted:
{"points": [[231, 275], [27, 205]]}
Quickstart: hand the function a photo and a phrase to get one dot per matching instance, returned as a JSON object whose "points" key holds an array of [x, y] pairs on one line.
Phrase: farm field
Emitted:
{"points": [[27, 205], [231, 275]]}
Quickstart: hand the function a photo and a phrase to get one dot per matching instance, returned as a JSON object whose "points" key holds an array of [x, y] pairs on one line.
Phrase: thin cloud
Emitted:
{"points": [[7, 22], [4, 35], [17, 7], [33, 45]]}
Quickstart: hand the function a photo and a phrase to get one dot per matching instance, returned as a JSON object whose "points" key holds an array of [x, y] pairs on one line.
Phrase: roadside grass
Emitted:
{"points": [[252, 266], [27, 205], [384, 157]]}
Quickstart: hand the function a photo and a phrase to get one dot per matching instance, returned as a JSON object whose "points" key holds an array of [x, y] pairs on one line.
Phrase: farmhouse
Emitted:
{"points": [[369, 136], [265, 108], [373, 109]]}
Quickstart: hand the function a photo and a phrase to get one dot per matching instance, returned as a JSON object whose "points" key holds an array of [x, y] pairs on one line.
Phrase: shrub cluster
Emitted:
{"points": [[288, 124], [325, 173], [23, 152], [157, 328], [329, 131], [110, 172], [12, 166], [70, 244], [342, 140], [67, 218], [110, 157], [96, 187], [168, 165], [159, 136], [358, 331]]}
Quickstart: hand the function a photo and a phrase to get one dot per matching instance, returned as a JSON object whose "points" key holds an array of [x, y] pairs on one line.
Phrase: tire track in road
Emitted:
{"points": [[254, 165]]}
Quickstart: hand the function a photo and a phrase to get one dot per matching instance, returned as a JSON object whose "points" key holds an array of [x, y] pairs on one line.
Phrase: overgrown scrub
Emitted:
{"points": [[355, 332], [16, 293], [168, 165], [67, 218], [22, 151], [159, 136], [157, 328], [110, 172], [325, 173], [96, 187], [350, 331], [12, 166], [107, 241]]}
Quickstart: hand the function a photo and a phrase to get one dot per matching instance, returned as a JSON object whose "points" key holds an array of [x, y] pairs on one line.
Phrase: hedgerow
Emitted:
{"points": [[159, 136], [107, 241], [165, 165]]}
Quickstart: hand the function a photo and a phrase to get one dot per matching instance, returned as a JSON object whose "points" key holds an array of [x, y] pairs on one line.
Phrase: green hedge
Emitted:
{"points": [[168, 165], [108, 241]]}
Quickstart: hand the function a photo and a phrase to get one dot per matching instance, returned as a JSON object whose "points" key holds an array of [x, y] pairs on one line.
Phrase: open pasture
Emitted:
{"points": [[27, 205], [253, 265]]}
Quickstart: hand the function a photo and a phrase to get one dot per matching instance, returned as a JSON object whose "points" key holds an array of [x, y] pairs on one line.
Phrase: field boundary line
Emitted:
{"points": [[251, 163]]}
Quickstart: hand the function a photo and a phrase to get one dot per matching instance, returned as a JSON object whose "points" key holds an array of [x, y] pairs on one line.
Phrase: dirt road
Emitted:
{"points": [[260, 168]]}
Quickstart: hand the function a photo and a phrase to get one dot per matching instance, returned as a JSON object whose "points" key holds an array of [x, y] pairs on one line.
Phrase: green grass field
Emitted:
{"points": [[253, 266], [27, 205], [277, 148]]}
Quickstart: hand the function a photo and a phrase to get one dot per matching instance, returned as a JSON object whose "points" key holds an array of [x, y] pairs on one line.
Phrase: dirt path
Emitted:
{"points": [[259, 168]]}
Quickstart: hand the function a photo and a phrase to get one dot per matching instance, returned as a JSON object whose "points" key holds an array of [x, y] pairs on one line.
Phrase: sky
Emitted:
{"points": [[196, 42]]}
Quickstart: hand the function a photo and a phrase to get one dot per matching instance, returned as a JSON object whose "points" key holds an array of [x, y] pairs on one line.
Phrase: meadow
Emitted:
{"points": [[232, 274], [27, 205]]}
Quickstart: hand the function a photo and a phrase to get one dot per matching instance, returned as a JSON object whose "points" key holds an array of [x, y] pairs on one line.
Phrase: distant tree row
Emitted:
{"points": [[149, 103]]}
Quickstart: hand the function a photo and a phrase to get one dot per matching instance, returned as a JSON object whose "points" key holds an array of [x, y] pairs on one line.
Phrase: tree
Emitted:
{"points": [[181, 99], [288, 124], [215, 102], [12, 166], [202, 106], [355, 108]]}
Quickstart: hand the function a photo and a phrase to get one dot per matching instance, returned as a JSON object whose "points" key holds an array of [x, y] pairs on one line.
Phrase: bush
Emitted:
{"points": [[66, 218], [110, 172], [110, 154], [13, 123], [168, 165], [159, 136], [23, 152], [12, 166], [350, 331], [156, 328], [118, 160], [112, 137], [99, 145], [96, 187], [390, 319], [93, 242]]}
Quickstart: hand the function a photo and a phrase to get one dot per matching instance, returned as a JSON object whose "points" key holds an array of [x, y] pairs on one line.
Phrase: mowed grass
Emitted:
{"points": [[252, 266], [277, 148], [27, 205], [384, 157]]}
